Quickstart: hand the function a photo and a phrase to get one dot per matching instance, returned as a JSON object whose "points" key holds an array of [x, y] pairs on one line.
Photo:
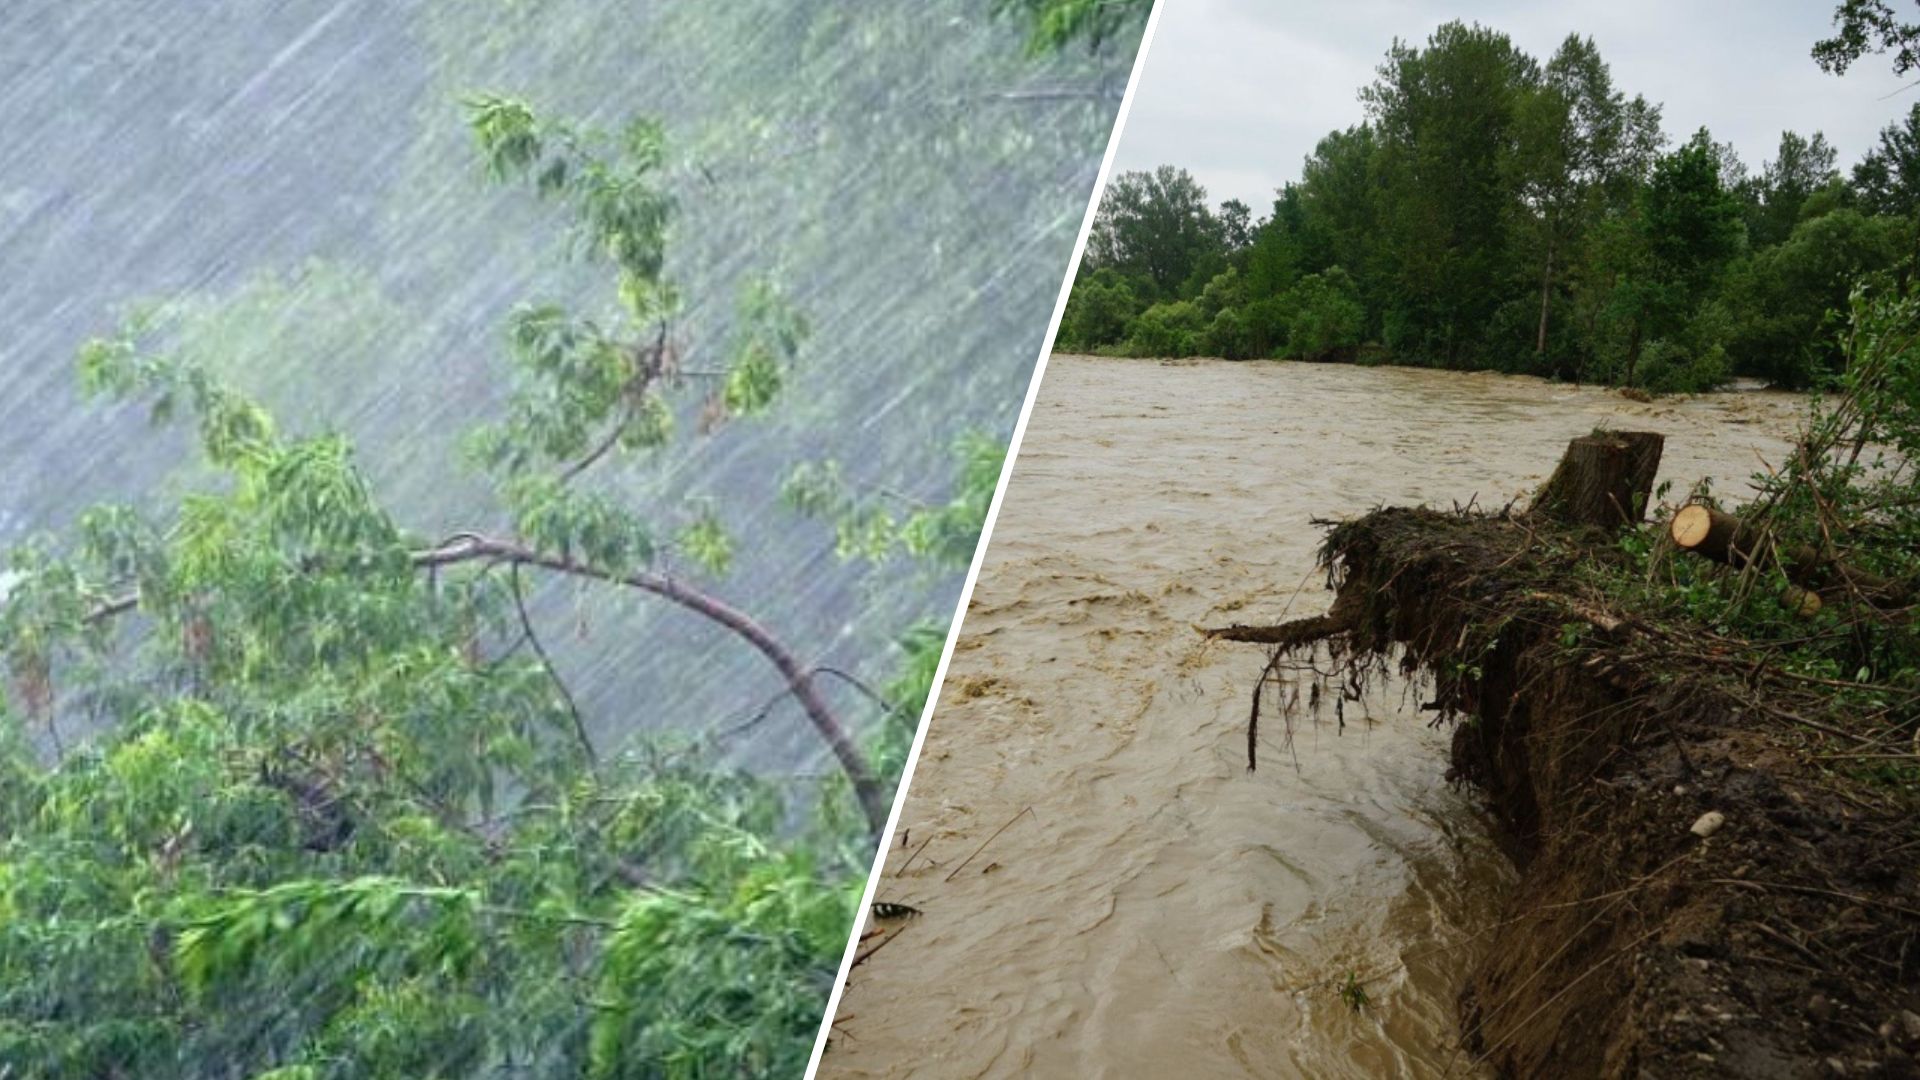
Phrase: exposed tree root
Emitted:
{"points": [[1785, 942]]}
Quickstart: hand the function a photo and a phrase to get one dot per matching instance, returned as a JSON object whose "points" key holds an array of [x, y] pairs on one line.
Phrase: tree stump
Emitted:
{"points": [[1604, 480]]}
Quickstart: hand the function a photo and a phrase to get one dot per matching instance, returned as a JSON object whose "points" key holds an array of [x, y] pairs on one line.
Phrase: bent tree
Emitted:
{"points": [[338, 815]]}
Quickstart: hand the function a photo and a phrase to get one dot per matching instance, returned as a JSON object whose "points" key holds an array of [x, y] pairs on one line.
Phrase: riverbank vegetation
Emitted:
{"points": [[1701, 734], [1497, 211], [1705, 757]]}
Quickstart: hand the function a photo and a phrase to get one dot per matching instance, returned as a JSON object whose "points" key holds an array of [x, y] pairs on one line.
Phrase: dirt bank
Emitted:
{"points": [[1161, 911], [1785, 943]]}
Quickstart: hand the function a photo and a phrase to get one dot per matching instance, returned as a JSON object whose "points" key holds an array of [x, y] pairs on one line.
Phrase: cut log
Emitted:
{"points": [[1701, 529], [1724, 538], [1802, 602], [1604, 480]]}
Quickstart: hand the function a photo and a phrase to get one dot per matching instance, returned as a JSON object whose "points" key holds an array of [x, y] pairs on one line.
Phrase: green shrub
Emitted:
{"points": [[1227, 336], [1224, 291], [1098, 311], [1167, 329], [1326, 319]]}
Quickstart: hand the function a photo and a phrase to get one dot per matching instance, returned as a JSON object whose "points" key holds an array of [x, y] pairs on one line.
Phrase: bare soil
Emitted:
{"points": [[1785, 943]]}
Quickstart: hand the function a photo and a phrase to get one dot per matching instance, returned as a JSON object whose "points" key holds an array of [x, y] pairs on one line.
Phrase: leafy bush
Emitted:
{"points": [[1224, 290], [1849, 493], [1227, 336], [1670, 367], [1782, 297], [1098, 311], [1325, 318], [1166, 329]]}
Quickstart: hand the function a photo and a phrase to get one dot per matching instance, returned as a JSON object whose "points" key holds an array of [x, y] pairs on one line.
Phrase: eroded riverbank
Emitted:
{"points": [[1161, 910]]}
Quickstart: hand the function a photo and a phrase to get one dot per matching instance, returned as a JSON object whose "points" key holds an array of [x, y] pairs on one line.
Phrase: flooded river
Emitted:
{"points": [[1161, 911]]}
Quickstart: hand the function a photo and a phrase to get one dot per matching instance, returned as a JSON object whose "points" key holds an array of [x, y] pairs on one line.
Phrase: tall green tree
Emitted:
{"points": [[1157, 229], [1801, 168], [1236, 226], [1660, 267], [1582, 149], [1447, 119], [1494, 211]]}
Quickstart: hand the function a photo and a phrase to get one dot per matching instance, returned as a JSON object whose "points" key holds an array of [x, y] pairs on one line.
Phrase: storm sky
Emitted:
{"points": [[1239, 91]]}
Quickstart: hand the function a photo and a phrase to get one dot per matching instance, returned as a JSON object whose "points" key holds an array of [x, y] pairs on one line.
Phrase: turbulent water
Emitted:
{"points": [[1161, 911]]}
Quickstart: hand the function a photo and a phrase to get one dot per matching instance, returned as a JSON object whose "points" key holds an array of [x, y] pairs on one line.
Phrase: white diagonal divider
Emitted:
{"points": [[980, 551]]}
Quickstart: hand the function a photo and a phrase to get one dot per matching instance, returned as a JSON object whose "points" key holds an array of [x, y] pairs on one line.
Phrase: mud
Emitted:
{"points": [[1784, 942], [1161, 911]]}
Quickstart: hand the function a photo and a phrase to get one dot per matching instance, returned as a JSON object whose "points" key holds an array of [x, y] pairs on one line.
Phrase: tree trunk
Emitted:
{"points": [[1605, 480], [1724, 538], [1546, 285], [1633, 355]]}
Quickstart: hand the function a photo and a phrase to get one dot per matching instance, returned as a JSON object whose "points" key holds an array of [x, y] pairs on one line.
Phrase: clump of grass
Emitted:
{"points": [[1353, 992]]}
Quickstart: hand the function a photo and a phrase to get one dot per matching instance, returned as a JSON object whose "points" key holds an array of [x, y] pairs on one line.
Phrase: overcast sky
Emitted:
{"points": [[1239, 91]]}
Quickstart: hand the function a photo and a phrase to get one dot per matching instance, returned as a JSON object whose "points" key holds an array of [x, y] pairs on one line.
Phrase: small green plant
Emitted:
{"points": [[1353, 992]]}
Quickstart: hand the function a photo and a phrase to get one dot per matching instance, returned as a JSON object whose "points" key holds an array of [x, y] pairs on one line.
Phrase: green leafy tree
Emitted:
{"points": [[1494, 211], [1236, 226], [1446, 116], [1155, 229], [1868, 26], [1783, 299], [1888, 176], [338, 771], [1802, 168], [1099, 308], [1583, 149], [1170, 328], [1324, 316], [1659, 268]]}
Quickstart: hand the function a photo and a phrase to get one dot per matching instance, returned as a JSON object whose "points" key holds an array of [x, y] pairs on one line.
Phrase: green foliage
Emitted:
{"points": [[1850, 493], [1169, 328], [1058, 23], [334, 814], [1098, 310], [1888, 176], [1324, 314], [1868, 26], [1499, 212], [1783, 298], [1228, 336], [877, 527], [1155, 230]]}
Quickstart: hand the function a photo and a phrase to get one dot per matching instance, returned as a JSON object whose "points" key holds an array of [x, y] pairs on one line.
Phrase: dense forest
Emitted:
{"points": [[1494, 211], [395, 716]]}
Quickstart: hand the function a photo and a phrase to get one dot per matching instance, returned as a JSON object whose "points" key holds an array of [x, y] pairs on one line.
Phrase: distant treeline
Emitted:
{"points": [[1496, 212]]}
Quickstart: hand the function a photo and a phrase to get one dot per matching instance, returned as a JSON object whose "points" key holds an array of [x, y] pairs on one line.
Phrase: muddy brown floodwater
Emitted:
{"points": [[1162, 911]]}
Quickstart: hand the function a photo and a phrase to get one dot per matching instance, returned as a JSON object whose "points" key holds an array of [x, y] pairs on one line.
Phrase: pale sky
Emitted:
{"points": [[1239, 91]]}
